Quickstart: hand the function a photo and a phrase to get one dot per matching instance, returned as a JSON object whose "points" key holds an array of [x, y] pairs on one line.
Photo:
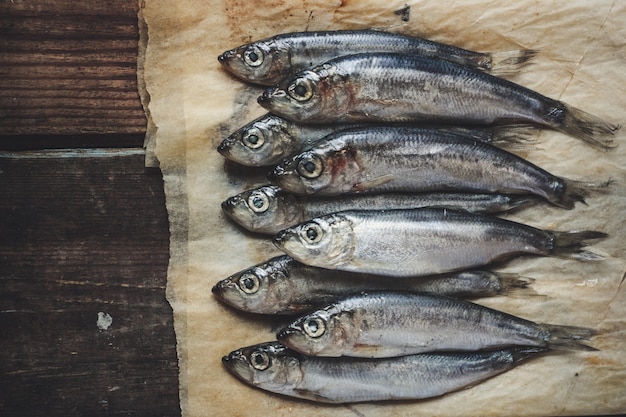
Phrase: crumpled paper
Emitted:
{"points": [[193, 104]]}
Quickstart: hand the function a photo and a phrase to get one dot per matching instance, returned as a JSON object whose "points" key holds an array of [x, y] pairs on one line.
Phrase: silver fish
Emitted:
{"points": [[403, 88], [268, 209], [270, 139], [422, 241], [274, 368], [387, 324], [284, 286], [403, 159], [267, 61]]}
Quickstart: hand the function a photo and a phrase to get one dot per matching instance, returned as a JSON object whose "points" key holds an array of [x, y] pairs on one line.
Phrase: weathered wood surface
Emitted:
{"points": [[69, 68], [83, 232]]}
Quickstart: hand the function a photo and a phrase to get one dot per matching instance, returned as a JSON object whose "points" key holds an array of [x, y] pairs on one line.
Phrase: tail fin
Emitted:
{"points": [[569, 244], [577, 191], [589, 128], [522, 353], [510, 62], [514, 137], [515, 285], [568, 337]]}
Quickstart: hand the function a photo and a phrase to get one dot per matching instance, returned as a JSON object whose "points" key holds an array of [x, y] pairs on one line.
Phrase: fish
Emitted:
{"points": [[268, 209], [267, 61], [424, 241], [272, 367], [384, 324], [385, 88], [284, 286], [269, 139], [403, 159]]}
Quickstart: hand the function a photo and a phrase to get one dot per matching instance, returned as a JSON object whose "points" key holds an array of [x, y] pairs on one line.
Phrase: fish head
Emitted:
{"points": [[270, 366], [265, 141], [318, 95], [262, 289], [330, 168], [265, 209], [325, 332], [264, 62], [326, 241]]}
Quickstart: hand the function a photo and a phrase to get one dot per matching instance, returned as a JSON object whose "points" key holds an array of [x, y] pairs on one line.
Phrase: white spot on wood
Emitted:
{"points": [[104, 320]]}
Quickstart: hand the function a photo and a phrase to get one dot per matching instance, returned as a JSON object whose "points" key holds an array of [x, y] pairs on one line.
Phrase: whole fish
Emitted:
{"points": [[269, 60], [402, 88], [270, 139], [422, 241], [284, 286], [268, 209], [387, 324], [403, 159], [275, 368]]}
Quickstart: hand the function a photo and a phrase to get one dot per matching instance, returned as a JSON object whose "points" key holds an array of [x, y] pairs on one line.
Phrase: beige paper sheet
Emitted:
{"points": [[193, 104]]}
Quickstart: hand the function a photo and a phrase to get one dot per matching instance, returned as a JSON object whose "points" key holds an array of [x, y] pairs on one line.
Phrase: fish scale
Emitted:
{"points": [[423, 241], [380, 324]]}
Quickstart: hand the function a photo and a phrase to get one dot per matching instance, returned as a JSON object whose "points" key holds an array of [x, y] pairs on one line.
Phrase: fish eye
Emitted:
{"points": [[310, 166], [249, 283], [260, 360], [258, 202], [253, 56], [312, 233], [314, 327], [253, 138], [300, 89]]}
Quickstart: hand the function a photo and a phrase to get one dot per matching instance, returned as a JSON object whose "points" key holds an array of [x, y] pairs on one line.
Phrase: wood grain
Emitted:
{"points": [[83, 233], [69, 68]]}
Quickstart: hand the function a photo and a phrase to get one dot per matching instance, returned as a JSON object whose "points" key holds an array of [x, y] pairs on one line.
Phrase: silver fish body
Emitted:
{"points": [[270, 139], [404, 159], [424, 241], [284, 286], [402, 88], [274, 368], [389, 324], [268, 209], [269, 60]]}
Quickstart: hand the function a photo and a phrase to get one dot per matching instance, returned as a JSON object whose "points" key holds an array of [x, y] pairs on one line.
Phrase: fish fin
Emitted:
{"points": [[582, 125], [514, 137], [522, 353], [376, 182], [515, 285], [569, 244], [569, 337], [518, 202], [510, 62], [577, 191]]}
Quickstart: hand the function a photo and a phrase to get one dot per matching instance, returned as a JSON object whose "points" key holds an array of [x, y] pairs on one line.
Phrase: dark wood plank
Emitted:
{"points": [[69, 68], [84, 233]]}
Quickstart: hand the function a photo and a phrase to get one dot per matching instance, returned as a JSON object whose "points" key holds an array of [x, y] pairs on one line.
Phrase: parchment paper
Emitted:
{"points": [[193, 104]]}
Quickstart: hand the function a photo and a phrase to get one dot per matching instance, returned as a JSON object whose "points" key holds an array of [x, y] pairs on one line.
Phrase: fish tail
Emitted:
{"points": [[515, 284], [514, 137], [522, 353], [577, 191], [510, 62], [569, 244], [582, 125], [569, 337], [522, 201]]}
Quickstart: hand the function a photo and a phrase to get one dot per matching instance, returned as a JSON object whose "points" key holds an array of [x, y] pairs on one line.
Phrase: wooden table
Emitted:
{"points": [[85, 328]]}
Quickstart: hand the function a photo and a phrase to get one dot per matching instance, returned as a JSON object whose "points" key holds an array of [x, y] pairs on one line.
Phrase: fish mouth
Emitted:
{"points": [[287, 333], [281, 238], [224, 147], [275, 174], [269, 96], [225, 57]]}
